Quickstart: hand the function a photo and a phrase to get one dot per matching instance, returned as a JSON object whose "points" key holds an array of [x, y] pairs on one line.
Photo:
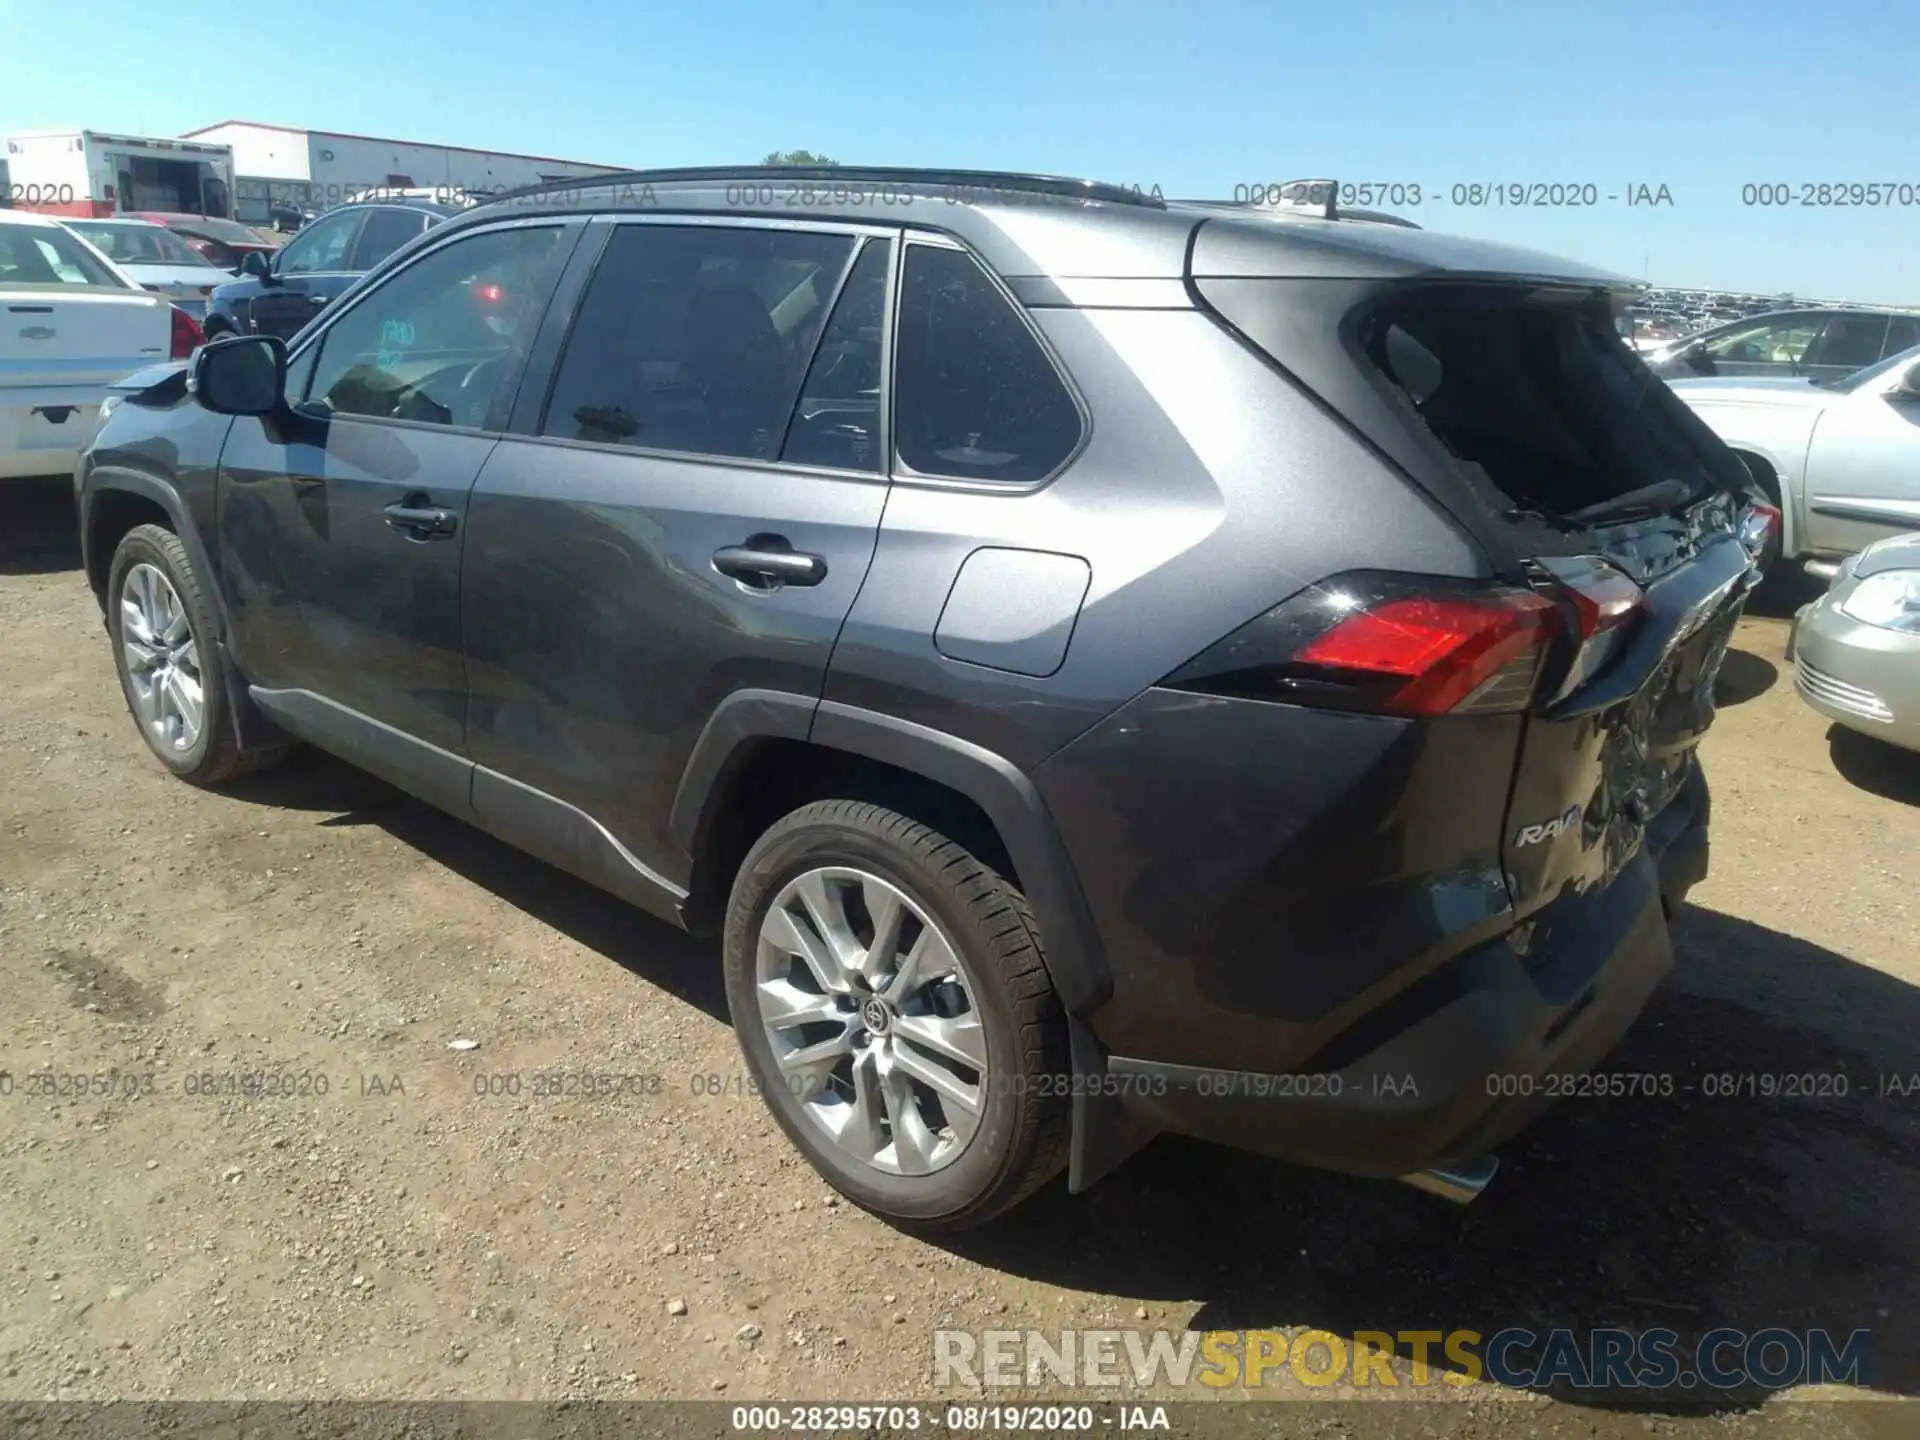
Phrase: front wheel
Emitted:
{"points": [[163, 628], [893, 1005]]}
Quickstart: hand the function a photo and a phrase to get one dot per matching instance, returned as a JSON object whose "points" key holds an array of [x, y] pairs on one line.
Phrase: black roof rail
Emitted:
{"points": [[958, 183]]}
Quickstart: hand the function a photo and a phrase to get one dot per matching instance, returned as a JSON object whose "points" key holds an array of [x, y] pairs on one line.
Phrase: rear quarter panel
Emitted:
{"points": [[1208, 490]]}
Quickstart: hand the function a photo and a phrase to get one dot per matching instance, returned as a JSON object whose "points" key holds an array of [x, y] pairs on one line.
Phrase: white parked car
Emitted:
{"points": [[1841, 458], [155, 259], [71, 323]]}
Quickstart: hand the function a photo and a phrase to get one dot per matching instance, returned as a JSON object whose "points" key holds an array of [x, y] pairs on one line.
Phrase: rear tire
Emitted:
{"points": [[996, 1127], [172, 674]]}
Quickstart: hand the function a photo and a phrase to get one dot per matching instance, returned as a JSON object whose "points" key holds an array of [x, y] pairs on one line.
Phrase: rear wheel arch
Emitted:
{"points": [[1767, 476], [1763, 472], [764, 756]]}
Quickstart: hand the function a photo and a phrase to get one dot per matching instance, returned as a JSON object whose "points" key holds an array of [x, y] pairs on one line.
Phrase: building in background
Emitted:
{"points": [[282, 165], [92, 173]]}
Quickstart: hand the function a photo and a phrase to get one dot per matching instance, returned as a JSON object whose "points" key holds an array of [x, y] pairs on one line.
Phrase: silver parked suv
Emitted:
{"points": [[1101, 666]]}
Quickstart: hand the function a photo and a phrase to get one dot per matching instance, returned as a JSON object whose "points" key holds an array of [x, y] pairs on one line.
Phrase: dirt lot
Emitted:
{"points": [[403, 1235]]}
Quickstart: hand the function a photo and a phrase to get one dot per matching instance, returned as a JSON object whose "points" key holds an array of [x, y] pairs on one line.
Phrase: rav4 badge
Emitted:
{"points": [[1548, 829]]}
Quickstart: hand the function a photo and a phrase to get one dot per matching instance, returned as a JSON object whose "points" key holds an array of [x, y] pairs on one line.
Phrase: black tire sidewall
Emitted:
{"points": [[984, 1166], [138, 547]]}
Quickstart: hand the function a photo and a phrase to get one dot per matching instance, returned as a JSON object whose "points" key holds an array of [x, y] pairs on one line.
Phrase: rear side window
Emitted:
{"points": [[694, 338], [1535, 391], [1903, 333], [385, 232], [975, 397], [36, 255]]}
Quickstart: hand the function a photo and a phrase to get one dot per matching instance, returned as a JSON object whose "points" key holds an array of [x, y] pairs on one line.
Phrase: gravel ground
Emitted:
{"points": [[404, 1234]]}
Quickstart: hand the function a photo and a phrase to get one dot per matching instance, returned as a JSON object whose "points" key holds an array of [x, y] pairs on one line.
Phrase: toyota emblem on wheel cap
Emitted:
{"points": [[874, 1016]]}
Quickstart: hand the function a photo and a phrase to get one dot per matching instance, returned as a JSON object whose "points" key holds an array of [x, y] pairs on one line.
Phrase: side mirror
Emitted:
{"points": [[255, 264], [243, 375], [1910, 382]]}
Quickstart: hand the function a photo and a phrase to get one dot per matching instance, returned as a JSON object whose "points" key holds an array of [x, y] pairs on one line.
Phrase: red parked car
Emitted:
{"points": [[224, 242]]}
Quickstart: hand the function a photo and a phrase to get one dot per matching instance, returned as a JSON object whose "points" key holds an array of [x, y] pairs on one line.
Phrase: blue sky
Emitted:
{"points": [[1196, 98]]}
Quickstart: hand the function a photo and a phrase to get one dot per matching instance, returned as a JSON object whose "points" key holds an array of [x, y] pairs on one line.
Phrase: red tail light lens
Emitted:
{"points": [[1758, 525], [1448, 654], [1417, 645], [187, 334]]}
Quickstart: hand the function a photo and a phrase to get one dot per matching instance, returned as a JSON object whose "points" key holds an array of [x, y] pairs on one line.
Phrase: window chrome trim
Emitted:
{"points": [[708, 220], [695, 457]]}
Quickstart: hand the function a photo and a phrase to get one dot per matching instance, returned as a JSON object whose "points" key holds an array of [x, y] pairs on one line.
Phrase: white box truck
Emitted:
{"points": [[89, 173]]}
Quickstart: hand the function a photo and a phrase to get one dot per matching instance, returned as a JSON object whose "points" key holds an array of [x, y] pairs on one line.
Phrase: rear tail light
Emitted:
{"points": [[1759, 524], [187, 334], [1432, 656], [1408, 645]]}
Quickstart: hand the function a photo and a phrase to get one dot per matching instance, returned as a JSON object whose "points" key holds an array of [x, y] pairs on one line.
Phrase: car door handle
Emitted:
{"points": [[765, 565], [421, 522]]}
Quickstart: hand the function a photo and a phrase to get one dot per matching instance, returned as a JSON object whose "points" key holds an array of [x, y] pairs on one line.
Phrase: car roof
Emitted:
{"points": [[1050, 226], [27, 217], [132, 220]]}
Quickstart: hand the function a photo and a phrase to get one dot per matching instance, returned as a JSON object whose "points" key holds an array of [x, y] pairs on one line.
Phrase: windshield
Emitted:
{"points": [[48, 255], [1847, 384], [140, 244]]}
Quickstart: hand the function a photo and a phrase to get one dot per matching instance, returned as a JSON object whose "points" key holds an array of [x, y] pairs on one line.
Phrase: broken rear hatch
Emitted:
{"points": [[1515, 405]]}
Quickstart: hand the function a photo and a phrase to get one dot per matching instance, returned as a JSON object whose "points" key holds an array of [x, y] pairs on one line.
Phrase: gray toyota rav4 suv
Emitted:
{"points": [[1100, 666]]}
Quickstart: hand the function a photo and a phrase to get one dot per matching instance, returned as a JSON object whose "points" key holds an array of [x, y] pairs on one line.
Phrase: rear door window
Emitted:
{"points": [[1773, 342], [1849, 342], [1903, 333], [323, 246], [976, 396], [385, 232], [695, 337]]}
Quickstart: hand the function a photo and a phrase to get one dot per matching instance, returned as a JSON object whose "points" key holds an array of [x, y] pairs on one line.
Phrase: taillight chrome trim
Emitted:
{"points": [[1601, 604]]}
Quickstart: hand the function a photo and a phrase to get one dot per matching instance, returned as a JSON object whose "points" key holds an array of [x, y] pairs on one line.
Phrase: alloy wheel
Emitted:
{"points": [[872, 1019], [163, 659]]}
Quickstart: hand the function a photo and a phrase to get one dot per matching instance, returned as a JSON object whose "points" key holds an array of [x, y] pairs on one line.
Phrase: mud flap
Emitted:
{"points": [[1105, 1132], [252, 729]]}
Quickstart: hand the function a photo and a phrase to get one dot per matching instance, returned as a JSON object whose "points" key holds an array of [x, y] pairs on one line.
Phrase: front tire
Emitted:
{"points": [[172, 675], [892, 1001]]}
